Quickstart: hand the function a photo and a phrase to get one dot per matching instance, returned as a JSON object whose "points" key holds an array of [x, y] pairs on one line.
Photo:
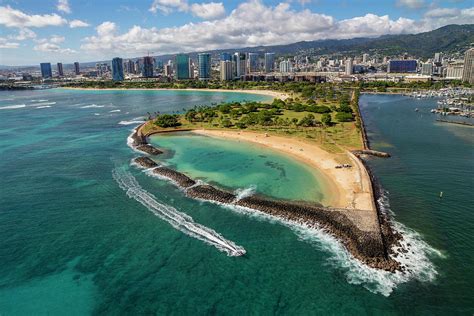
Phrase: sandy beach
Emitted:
{"points": [[350, 187], [274, 94]]}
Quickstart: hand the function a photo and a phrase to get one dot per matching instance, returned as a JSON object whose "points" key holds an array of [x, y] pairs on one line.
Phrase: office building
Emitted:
{"points": [[240, 65], [60, 70], [46, 71], [365, 58], [168, 69], [427, 69], [102, 69], [253, 62], [285, 66], [455, 71], [438, 59], [147, 69], [77, 71], [130, 66], [226, 70], [468, 73], [117, 69], [204, 63], [182, 64], [269, 62], [226, 56], [349, 67], [402, 66]]}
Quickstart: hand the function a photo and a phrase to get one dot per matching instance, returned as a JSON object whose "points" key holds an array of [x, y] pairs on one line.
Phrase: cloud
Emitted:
{"points": [[208, 11], [16, 18], [411, 4], [23, 34], [439, 17], [57, 39], [50, 47], [4, 43], [252, 23], [78, 23], [63, 6], [168, 6]]}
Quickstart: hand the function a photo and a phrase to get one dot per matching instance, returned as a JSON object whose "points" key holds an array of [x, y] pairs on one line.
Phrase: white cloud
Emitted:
{"points": [[168, 6], [50, 47], [208, 11], [23, 34], [63, 6], [411, 4], [57, 39], [4, 43], [252, 23], [438, 17], [78, 23], [16, 18]]}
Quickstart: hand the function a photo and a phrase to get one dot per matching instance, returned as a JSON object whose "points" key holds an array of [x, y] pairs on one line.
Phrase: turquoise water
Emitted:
{"points": [[240, 166], [73, 242]]}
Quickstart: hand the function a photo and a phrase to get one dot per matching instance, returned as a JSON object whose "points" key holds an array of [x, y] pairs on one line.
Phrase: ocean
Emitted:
{"points": [[83, 231]]}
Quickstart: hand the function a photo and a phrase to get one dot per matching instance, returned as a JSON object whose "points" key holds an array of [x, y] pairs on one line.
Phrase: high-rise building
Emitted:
{"points": [[365, 58], [285, 66], [240, 64], [130, 66], [204, 61], [117, 69], [438, 59], [46, 71], [60, 70], [147, 69], [455, 71], [427, 69], [269, 62], [226, 70], [182, 64], [468, 73], [137, 67], [77, 71], [253, 62], [226, 56], [168, 70], [402, 66], [349, 67]]}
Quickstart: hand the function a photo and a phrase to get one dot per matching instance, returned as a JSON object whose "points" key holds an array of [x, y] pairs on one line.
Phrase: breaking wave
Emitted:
{"points": [[10, 107], [114, 111], [178, 220], [243, 193], [43, 106], [42, 103], [130, 122], [92, 106]]}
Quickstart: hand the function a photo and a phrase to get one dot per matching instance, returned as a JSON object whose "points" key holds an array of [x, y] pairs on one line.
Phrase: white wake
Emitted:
{"points": [[178, 220]]}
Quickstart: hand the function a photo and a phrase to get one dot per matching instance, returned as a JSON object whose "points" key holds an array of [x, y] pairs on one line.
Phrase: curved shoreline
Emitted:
{"points": [[270, 93], [365, 233]]}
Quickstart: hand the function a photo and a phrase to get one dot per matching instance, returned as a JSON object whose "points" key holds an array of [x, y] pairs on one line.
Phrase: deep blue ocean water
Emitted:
{"points": [[73, 242]]}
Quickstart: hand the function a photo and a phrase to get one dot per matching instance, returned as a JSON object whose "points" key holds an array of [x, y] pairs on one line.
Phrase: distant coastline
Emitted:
{"points": [[271, 93]]}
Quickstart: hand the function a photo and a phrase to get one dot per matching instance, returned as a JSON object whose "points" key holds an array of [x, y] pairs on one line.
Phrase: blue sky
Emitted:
{"points": [[33, 31]]}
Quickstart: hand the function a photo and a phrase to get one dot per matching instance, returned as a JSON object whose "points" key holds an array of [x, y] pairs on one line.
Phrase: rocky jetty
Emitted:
{"points": [[182, 180], [145, 162], [371, 152], [149, 149], [210, 193]]}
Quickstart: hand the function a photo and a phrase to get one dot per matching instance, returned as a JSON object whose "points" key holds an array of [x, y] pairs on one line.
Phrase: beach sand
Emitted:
{"points": [[350, 188], [274, 94]]}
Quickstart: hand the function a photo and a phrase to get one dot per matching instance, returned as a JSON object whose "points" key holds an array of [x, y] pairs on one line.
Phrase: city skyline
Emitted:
{"points": [[67, 31]]}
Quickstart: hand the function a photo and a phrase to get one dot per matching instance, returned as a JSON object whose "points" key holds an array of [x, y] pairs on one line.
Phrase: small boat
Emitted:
{"points": [[416, 110], [441, 194]]}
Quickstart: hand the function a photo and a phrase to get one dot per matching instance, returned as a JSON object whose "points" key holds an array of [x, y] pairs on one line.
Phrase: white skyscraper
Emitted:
{"points": [[226, 70], [285, 66], [349, 66]]}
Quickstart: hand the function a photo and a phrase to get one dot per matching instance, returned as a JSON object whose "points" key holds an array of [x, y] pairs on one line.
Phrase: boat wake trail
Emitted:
{"points": [[178, 220]]}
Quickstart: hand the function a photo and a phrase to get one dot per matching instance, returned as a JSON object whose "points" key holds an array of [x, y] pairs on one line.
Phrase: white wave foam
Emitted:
{"points": [[15, 106], [130, 122], [242, 193], [178, 220], [92, 106], [7, 99], [40, 100], [96, 114], [114, 111], [42, 103], [43, 106]]}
